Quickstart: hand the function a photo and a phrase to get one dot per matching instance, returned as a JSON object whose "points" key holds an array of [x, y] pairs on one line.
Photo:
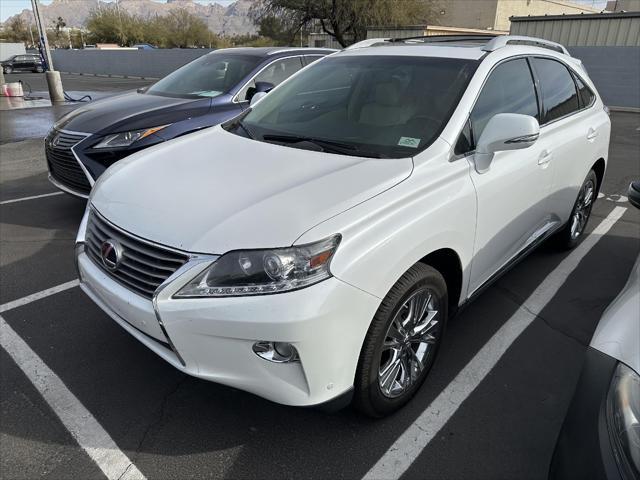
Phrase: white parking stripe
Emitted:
{"points": [[33, 197], [86, 430], [37, 296], [410, 444]]}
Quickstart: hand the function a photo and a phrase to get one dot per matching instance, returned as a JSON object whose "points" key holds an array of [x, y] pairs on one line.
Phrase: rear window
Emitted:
{"points": [[586, 95]]}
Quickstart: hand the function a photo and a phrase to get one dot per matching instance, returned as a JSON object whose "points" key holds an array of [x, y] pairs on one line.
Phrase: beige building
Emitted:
{"points": [[494, 14]]}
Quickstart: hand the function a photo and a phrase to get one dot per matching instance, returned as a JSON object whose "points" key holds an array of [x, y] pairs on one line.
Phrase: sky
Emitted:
{"points": [[9, 8]]}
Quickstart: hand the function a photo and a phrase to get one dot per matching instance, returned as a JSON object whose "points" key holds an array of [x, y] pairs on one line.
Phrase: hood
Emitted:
{"points": [[214, 191], [131, 111], [618, 333]]}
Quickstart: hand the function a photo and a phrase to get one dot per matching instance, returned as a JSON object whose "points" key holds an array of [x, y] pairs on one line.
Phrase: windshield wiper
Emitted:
{"points": [[326, 145]]}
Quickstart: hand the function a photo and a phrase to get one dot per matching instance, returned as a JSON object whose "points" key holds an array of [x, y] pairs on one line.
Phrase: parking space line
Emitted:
{"points": [[406, 449], [84, 428], [38, 295], [33, 197]]}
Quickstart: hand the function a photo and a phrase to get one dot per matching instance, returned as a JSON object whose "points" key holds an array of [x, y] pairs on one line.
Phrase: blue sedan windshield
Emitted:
{"points": [[208, 76]]}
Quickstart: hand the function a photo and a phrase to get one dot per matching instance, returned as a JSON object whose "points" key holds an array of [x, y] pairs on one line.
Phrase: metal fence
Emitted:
{"points": [[606, 43], [588, 30]]}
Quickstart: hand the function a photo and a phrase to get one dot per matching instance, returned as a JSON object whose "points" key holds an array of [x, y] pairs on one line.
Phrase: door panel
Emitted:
{"points": [[513, 209], [570, 134]]}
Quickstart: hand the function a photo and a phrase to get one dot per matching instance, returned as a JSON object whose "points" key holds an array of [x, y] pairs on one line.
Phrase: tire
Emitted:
{"points": [[39, 69], [8, 69], [387, 378], [573, 231]]}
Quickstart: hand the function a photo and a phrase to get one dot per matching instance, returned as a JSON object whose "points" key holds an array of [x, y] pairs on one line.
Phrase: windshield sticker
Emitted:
{"points": [[409, 142]]}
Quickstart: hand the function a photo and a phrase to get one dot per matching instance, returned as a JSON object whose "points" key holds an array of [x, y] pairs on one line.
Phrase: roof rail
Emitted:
{"points": [[447, 38], [504, 40]]}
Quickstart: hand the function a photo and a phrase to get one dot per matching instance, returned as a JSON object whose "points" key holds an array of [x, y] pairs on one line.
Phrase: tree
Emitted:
{"points": [[184, 29], [16, 30], [345, 20]]}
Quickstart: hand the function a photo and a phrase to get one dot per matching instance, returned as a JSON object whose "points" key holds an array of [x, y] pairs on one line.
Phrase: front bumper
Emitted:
{"points": [[583, 450], [213, 338]]}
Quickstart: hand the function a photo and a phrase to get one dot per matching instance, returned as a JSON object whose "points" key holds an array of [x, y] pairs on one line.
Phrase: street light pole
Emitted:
{"points": [[56, 93]]}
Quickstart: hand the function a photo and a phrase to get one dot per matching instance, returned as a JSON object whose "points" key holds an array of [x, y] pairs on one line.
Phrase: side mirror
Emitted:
{"points": [[634, 194], [142, 89], [260, 87], [505, 131]]}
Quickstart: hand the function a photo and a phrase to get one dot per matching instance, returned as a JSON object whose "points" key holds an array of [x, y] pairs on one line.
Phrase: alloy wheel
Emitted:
{"points": [[583, 209], [409, 342]]}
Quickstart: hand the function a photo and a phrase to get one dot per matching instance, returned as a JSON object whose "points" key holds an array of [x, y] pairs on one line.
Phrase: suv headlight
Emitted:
{"points": [[260, 272], [623, 420], [124, 139]]}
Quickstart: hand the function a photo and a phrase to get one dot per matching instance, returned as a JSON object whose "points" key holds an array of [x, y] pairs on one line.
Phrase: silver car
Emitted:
{"points": [[600, 437]]}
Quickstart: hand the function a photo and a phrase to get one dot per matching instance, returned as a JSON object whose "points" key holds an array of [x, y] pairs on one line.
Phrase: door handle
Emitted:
{"points": [[545, 157], [591, 134]]}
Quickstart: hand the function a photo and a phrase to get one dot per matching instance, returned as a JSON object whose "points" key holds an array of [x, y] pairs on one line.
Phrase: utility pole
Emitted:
{"points": [[56, 93]]}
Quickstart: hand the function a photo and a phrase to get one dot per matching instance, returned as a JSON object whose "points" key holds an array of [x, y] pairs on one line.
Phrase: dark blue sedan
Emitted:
{"points": [[208, 91]]}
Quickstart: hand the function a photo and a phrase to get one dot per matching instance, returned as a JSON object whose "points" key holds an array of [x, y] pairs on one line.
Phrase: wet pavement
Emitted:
{"points": [[22, 123]]}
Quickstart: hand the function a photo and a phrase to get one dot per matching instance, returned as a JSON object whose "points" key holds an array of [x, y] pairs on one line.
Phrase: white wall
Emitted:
{"points": [[8, 49]]}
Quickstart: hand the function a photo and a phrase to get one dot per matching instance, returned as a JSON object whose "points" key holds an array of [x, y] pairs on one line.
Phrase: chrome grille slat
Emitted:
{"points": [[143, 267], [63, 165], [138, 248]]}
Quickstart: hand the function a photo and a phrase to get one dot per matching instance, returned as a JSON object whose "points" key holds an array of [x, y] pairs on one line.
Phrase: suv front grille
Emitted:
{"points": [[144, 266], [63, 165]]}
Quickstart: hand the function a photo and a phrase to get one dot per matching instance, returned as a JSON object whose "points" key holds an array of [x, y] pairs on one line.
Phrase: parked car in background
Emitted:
{"points": [[314, 247], [26, 62], [600, 437], [144, 46], [205, 92]]}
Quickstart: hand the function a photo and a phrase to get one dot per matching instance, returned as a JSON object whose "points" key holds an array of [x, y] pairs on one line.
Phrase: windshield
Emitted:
{"points": [[208, 76], [375, 106]]}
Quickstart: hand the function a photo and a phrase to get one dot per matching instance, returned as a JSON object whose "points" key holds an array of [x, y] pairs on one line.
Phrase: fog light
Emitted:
{"points": [[278, 352]]}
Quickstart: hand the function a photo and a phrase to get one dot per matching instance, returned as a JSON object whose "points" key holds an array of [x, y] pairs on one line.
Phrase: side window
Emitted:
{"points": [[464, 143], [276, 73], [309, 59], [509, 89], [586, 95], [559, 95]]}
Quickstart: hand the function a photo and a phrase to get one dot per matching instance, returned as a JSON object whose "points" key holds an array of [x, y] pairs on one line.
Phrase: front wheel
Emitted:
{"points": [[402, 342], [8, 69], [39, 69], [573, 231]]}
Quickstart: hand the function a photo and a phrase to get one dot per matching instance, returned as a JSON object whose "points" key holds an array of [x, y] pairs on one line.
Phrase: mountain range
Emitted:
{"points": [[229, 21]]}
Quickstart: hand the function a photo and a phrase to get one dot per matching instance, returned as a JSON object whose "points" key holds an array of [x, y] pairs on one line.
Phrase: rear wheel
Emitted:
{"points": [[8, 69], [573, 231], [402, 342], [39, 69]]}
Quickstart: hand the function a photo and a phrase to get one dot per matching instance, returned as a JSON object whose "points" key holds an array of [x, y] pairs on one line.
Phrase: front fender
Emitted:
{"points": [[383, 237]]}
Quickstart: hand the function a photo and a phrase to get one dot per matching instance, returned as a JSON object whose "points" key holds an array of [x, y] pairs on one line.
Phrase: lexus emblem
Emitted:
{"points": [[111, 254]]}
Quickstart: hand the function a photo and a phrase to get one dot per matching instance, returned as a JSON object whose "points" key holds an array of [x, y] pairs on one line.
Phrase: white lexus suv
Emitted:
{"points": [[312, 249]]}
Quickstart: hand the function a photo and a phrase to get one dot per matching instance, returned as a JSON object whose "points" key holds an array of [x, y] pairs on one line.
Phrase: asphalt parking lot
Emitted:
{"points": [[491, 408]]}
